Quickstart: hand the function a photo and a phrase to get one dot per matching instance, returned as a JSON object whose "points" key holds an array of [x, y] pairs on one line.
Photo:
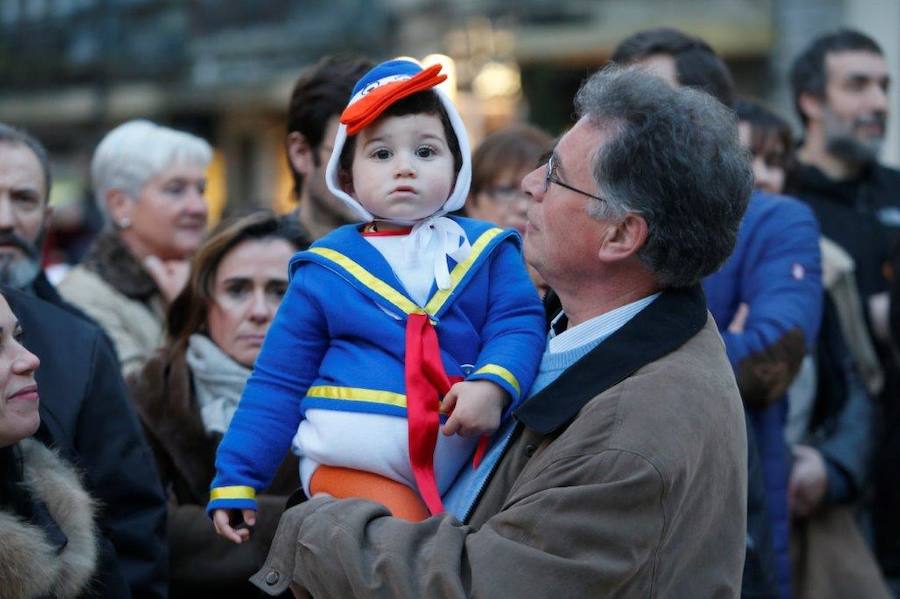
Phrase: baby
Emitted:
{"points": [[389, 328]]}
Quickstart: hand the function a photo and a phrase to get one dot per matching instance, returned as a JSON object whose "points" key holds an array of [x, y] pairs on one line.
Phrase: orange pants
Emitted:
{"points": [[402, 501]]}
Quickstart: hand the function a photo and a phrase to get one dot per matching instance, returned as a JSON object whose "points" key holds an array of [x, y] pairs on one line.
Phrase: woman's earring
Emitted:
{"points": [[124, 223]]}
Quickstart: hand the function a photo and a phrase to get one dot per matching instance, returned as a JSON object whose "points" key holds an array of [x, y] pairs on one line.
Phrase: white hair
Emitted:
{"points": [[136, 151]]}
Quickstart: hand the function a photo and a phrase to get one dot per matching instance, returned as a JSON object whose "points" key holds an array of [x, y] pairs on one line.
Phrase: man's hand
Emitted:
{"points": [[171, 276], [808, 481], [475, 408], [222, 522]]}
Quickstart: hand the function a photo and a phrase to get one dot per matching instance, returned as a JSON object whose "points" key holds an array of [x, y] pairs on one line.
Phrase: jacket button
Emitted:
{"points": [[272, 577], [530, 449]]}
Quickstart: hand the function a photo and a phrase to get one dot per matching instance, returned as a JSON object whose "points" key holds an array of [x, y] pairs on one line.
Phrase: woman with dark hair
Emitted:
{"points": [[187, 394], [48, 539]]}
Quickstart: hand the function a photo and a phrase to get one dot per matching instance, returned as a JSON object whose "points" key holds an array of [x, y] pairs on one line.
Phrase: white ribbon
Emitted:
{"points": [[450, 241]]}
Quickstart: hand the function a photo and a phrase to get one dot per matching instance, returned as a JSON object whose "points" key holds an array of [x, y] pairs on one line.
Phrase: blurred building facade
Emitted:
{"points": [[72, 69]]}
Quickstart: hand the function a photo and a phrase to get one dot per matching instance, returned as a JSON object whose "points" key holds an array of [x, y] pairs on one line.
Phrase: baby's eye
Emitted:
{"points": [[425, 152], [381, 154]]}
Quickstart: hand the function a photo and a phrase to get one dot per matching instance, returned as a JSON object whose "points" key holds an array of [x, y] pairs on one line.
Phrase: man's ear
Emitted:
{"points": [[623, 239], [119, 205], [300, 153], [812, 106]]}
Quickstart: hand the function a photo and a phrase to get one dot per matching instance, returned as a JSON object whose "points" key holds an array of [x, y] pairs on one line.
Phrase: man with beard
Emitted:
{"points": [[319, 96], [84, 409], [840, 84]]}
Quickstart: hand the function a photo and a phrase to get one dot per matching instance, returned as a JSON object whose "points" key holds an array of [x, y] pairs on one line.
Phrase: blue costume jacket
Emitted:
{"points": [[775, 269], [338, 343]]}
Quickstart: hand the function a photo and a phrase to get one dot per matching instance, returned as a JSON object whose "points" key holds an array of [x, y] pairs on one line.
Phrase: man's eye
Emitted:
{"points": [[174, 188], [425, 152], [26, 199]]}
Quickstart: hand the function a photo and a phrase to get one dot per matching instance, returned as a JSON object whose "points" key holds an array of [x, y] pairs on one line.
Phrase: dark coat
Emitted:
{"points": [[201, 563], [85, 413], [843, 420], [861, 215]]}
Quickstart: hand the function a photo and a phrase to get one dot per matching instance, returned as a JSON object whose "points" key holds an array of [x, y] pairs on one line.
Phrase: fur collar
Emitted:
{"points": [[29, 564], [115, 264]]}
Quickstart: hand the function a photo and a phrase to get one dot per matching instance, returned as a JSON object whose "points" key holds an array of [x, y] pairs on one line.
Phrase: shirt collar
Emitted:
{"points": [[595, 329]]}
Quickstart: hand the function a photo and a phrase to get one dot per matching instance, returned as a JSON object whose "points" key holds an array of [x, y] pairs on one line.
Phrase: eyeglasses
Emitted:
{"points": [[553, 178]]}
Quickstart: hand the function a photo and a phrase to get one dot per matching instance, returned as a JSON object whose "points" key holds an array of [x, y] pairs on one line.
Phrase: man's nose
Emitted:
{"points": [[533, 183], [878, 98], [7, 215]]}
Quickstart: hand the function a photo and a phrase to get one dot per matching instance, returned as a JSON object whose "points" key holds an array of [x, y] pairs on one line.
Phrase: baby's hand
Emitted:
{"points": [[222, 522], [475, 408]]}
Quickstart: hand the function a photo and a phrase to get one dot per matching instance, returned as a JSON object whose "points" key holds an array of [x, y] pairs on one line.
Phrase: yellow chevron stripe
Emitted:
{"points": [[438, 300], [369, 280]]}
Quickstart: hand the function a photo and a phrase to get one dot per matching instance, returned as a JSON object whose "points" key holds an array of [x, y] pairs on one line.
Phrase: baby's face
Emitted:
{"points": [[403, 167]]}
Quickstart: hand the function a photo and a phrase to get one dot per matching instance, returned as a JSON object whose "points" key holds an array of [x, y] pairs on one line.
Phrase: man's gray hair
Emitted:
{"points": [[138, 150], [15, 136], [675, 159]]}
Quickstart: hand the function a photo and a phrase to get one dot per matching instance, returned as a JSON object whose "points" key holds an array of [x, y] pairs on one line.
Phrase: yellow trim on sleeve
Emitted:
{"points": [[235, 492], [357, 394], [441, 296], [503, 373], [369, 280]]}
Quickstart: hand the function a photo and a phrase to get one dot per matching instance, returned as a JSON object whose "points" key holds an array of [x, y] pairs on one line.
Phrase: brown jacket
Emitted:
{"points": [[626, 477], [200, 562]]}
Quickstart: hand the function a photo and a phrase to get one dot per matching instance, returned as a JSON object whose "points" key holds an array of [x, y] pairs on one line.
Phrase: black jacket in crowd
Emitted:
{"points": [[861, 215], [86, 415]]}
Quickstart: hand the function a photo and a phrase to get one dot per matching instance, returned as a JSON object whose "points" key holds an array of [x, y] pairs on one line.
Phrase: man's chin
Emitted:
{"points": [[18, 274], [10, 254], [855, 150]]}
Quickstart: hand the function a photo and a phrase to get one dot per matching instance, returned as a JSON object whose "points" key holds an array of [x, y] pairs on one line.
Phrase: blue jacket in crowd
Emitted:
{"points": [[775, 270]]}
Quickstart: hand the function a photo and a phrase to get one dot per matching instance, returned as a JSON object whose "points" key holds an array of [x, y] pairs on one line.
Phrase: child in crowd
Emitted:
{"points": [[383, 320]]}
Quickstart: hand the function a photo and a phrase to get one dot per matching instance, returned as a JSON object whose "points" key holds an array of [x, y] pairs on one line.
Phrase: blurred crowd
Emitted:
{"points": [[140, 352]]}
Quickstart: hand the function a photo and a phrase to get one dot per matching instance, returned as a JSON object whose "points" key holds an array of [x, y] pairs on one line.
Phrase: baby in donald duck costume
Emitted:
{"points": [[391, 331]]}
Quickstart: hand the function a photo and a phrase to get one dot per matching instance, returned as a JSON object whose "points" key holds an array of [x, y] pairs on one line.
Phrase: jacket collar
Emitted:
{"points": [[660, 328], [116, 265]]}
